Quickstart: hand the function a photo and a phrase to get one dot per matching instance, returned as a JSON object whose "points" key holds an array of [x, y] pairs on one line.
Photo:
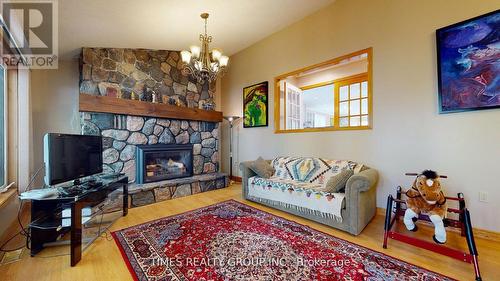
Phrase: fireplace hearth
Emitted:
{"points": [[160, 162]]}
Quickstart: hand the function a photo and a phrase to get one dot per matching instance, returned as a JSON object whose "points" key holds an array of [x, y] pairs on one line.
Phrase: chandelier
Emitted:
{"points": [[204, 65]]}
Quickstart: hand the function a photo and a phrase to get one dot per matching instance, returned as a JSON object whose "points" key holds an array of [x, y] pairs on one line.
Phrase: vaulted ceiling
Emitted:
{"points": [[174, 24]]}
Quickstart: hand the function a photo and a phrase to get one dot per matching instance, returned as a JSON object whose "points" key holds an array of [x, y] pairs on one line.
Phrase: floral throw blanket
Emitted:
{"points": [[301, 196]]}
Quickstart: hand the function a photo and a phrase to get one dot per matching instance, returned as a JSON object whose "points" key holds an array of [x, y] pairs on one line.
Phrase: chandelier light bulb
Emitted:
{"points": [[216, 54], [223, 60], [186, 56], [195, 51]]}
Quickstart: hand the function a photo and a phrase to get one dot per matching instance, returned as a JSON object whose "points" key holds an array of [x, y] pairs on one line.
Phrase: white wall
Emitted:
{"points": [[408, 134], [55, 96]]}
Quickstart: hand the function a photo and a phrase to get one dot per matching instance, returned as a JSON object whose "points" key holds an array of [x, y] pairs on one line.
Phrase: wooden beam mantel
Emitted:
{"points": [[103, 104]]}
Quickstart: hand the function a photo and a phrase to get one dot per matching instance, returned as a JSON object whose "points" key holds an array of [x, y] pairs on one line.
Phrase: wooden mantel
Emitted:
{"points": [[103, 104]]}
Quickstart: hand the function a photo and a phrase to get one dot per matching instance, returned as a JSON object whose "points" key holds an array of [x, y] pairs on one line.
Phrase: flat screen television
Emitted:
{"points": [[70, 157]]}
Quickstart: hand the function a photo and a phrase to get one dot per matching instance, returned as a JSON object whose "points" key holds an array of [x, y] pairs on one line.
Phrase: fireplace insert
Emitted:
{"points": [[159, 162]]}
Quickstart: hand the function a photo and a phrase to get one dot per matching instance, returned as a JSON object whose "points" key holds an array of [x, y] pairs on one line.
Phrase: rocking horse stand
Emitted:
{"points": [[463, 223]]}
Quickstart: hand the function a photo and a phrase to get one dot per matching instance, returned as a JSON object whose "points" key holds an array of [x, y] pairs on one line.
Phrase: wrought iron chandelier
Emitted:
{"points": [[201, 63]]}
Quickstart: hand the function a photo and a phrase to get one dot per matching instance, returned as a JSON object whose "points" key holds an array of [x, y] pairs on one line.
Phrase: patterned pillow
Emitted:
{"points": [[309, 169], [280, 167], [333, 168]]}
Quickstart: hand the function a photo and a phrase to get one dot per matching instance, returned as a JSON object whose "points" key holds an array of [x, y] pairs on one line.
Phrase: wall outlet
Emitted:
{"points": [[483, 196]]}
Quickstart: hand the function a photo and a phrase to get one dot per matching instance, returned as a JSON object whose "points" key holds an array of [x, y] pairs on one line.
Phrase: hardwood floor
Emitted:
{"points": [[103, 261]]}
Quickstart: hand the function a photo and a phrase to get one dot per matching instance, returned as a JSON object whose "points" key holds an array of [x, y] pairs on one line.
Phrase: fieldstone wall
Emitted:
{"points": [[122, 133], [141, 195], [142, 74], [151, 76], [145, 194]]}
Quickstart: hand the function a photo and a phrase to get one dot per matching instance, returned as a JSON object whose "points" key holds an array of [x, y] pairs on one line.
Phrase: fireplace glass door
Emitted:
{"points": [[164, 162]]}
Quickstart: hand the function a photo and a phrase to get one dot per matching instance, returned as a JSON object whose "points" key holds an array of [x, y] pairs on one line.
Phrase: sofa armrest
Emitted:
{"points": [[246, 173], [362, 181], [361, 199]]}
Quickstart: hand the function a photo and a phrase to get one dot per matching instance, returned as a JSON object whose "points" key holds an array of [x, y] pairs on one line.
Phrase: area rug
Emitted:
{"points": [[233, 241]]}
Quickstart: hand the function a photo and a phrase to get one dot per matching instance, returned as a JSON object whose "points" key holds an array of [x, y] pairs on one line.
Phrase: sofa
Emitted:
{"points": [[297, 186]]}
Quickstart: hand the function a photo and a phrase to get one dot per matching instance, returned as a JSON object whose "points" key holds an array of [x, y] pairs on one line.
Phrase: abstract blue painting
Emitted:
{"points": [[468, 55]]}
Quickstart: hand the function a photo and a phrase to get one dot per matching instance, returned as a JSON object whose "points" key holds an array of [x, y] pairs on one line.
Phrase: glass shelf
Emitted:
{"points": [[51, 226]]}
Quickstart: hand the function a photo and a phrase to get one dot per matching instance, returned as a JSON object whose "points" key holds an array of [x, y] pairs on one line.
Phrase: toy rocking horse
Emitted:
{"points": [[425, 201], [426, 196]]}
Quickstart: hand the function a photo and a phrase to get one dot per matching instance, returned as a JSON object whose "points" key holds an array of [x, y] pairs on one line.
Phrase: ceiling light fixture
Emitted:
{"points": [[202, 63]]}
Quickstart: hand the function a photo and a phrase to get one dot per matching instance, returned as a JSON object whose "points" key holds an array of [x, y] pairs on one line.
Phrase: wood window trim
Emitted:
{"points": [[313, 86], [6, 196], [368, 74], [345, 82]]}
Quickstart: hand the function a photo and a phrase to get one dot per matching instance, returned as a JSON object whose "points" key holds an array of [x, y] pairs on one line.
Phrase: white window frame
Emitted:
{"points": [[5, 126], [293, 107]]}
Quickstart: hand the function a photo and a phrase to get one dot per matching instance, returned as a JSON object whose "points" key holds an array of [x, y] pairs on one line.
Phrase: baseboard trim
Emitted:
{"points": [[236, 179], [478, 232]]}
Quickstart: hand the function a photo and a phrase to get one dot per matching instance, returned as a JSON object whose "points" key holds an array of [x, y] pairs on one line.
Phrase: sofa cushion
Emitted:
{"points": [[309, 169], [262, 168], [337, 183]]}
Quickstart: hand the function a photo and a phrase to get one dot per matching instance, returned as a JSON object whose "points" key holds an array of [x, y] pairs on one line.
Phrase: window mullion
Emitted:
{"points": [[336, 101]]}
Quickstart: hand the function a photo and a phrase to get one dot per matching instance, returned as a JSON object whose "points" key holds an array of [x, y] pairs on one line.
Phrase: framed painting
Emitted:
{"points": [[255, 105], [468, 56]]}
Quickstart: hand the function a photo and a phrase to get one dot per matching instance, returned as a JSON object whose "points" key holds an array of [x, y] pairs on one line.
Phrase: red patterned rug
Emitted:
{"points": [[233, 241]]}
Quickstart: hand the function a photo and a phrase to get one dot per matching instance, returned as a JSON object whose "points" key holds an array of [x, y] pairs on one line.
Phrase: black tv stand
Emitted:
{"points": [[70, 191], [47, 214]]}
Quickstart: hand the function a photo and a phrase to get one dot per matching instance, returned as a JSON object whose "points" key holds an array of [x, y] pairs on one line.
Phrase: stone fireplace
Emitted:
{"points": [[160, 162], [121, 134], [133, 78]]}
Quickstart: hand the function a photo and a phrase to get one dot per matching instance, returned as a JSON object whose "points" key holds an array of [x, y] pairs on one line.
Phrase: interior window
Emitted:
{"points": [[334, 95], [353, 103], [318, 104]]}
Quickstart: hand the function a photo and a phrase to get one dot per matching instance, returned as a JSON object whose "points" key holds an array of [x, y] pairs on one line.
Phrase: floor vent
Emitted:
{"points": [[11, 256]]}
